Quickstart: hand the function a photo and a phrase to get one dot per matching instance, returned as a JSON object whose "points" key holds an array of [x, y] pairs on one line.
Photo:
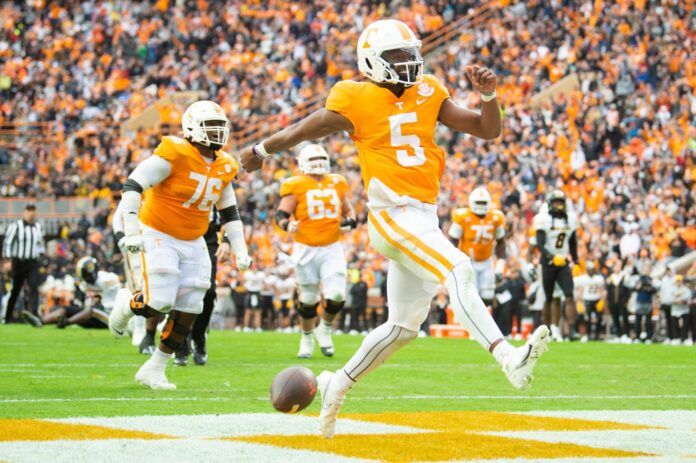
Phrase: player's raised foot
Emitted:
{"points": [[306, 346], [153, 377], [323, 335], [32, 319], [519, 364], [331, 401], [120, 314]]}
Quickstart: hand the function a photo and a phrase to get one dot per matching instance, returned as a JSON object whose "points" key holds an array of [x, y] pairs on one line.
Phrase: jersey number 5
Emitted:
{"points": [[212, 187], [399, 139], [317, 207]]}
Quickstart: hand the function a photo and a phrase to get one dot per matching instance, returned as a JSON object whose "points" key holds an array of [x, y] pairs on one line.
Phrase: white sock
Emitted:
{"points": [[326, 324], [375, 349], [469, 309], [343, 381], [159, 359], [307, 335], [502, 350]]}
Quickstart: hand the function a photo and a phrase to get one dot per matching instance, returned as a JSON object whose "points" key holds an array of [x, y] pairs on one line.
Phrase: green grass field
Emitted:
{"points": [[50, 373]]}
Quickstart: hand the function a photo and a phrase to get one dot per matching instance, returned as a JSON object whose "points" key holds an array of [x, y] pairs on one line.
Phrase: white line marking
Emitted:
{"points": [[358, 398]]}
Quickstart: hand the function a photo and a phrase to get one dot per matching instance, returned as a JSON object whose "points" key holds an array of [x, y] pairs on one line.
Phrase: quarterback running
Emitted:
{"points": [[478, 230], [392, 117], [314, 207], [166, 204]]}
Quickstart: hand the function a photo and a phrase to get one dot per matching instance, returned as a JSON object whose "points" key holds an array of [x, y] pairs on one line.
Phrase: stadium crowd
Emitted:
{"points": [[621, 144]]}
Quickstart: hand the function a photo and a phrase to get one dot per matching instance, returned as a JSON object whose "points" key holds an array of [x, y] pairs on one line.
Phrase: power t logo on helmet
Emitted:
{"points": [[389, 52]]}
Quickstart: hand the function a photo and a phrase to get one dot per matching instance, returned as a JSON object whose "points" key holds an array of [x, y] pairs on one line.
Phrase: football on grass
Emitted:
{"points": [[293, 389]]}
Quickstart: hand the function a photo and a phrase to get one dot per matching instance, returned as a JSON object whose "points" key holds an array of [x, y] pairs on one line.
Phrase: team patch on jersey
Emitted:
{"points": [[466, 436], [425, 89]]}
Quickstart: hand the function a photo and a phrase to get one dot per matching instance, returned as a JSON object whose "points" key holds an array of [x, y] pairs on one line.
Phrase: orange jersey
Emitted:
{"points": [[479, 233], [319, 205], [180, 205], [395, 137]]}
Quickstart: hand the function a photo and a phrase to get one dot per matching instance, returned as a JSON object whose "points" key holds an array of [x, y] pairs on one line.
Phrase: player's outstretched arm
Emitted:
{"points": [[147, 174], [233, 226], [488, 123], [317, 125]]}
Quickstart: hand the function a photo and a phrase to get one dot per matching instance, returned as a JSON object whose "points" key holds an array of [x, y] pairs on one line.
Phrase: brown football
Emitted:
{"points": [[293, 389]]}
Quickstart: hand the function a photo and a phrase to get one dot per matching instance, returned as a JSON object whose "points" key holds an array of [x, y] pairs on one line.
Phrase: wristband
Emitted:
{"points": [[486, 97], [260, 151]]}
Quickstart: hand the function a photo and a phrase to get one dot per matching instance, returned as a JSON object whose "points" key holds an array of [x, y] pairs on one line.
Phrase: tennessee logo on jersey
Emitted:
{"points": [[318, 209], [180, 205], [395, 136], [478, 234]]}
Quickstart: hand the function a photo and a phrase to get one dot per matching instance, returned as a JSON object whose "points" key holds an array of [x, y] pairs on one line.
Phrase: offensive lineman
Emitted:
{"points": [[318, 202], [477, 231], [555, 238], [177, 186], [391, 117]]}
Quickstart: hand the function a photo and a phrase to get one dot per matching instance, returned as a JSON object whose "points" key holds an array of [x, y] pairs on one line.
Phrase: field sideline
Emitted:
{"points": [[451, 388]]}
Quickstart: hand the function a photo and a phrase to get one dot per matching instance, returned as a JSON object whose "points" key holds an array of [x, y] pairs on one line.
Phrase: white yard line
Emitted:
{"points": [[357, 398]]}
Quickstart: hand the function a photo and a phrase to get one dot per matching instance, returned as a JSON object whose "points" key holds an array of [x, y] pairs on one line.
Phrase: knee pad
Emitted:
{"points": [[138, 306], [307, 310], [309, 294], [333, 307], [174, 333]]}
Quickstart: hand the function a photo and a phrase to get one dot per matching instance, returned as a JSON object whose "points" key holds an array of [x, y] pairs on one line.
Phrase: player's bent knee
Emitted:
{"points": [[333, 307], [406, 336], [462, 274], [307, 311], [309, 294]]}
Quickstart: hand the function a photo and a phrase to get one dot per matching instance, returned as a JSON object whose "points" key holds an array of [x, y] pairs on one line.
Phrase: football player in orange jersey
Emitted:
{"points": [[177, 186], [477, 230], [319, 204], [392, 117]]}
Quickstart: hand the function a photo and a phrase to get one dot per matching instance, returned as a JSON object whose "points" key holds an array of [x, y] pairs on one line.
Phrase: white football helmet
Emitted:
{"points": [[205, 122], [383, 36], [480, 201], [314, 160]]}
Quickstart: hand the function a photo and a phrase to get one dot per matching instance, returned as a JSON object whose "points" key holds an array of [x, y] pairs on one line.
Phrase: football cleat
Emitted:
{"points": [[32, 319], [200, 356], [519, 364], [306, 347], [120, 314], [153, 378], [180, 359], [331, 401], [323, 335], [147, 345]]}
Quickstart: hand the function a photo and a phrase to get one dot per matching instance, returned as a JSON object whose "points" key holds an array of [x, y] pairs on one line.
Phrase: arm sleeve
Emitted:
{"points": [[541, 243], [455, 231], [9, 239], [147, 174], [573, 247], [227, 198]]}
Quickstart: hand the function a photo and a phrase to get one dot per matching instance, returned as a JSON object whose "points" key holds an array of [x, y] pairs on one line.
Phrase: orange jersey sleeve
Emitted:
{"points": [[319, 205], [180, 205], [479, 234], [395, 136]]}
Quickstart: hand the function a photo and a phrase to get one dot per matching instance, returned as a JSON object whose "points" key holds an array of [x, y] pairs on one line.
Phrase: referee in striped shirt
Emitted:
{"points": [[24, 244]]}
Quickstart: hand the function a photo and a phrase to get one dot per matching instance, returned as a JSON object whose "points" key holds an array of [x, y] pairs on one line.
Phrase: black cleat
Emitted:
{"points": [[180, 359], [200, 356], [61, 322], [147, 345], [327, 351], [32, 319]]}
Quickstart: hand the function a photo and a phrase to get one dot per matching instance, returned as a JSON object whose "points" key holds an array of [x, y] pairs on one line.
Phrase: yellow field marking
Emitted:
{"points": [[456, 437], [37, 430], [492, 421]]}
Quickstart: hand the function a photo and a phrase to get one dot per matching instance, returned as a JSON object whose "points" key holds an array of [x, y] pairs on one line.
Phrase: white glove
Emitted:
{"points": [[243, 261], [293, 226], [133, 243]]}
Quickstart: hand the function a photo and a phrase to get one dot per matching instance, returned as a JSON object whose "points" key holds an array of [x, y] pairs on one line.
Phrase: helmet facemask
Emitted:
{"points": [[480, 208], [214, 133], [402, 66]]}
